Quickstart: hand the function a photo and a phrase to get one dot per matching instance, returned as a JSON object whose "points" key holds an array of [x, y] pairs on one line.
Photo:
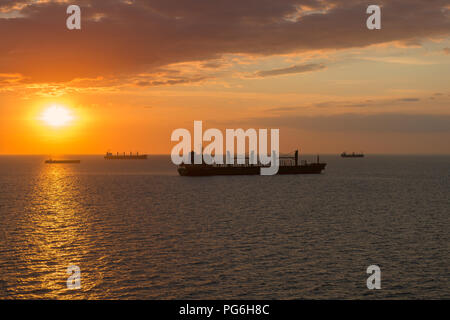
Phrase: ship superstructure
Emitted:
{"points": [[124, 156]]}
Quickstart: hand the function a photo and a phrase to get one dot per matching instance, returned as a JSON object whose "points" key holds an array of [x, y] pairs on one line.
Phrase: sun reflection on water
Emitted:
{"points": [[55, 236]]}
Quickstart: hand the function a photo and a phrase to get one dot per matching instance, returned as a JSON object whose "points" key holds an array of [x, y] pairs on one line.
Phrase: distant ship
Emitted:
{"points": [[288, 165], [131, 156], [352, 155], [62, 161]]}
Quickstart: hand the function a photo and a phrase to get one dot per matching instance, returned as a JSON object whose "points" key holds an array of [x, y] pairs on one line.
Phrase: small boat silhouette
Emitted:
{"points": [[352, 155], [62, 161]]}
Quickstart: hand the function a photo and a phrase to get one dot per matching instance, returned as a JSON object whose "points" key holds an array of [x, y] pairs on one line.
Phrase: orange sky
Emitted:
{"points": [[140, 69]]}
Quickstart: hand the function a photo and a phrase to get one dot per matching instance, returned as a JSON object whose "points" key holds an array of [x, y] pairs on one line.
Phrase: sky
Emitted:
{"points": [[137, 70]]}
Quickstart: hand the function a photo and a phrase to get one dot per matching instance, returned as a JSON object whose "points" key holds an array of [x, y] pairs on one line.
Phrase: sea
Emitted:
{"points": [[137, 230]]}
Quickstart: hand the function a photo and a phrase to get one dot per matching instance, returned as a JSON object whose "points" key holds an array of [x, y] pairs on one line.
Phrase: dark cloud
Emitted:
{"points": [[213, 64], [291, 70], [137, 36], [409, 99], [334, 104]]}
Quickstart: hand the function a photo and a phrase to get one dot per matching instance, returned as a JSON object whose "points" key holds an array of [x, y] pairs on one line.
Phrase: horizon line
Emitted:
{"points": [[168, 154]]}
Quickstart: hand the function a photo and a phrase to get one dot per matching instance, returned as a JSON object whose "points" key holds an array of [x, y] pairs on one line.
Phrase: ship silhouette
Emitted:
{"points": [[288, 165], [352, 155], [131, 156], [51, 161]]}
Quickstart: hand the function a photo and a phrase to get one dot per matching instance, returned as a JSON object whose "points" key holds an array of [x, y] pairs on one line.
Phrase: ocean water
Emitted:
{"points": [[137, 230]]}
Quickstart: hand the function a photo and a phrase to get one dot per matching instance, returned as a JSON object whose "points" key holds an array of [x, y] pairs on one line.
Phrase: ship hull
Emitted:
{"points": [[62, 161], [206, 170]]}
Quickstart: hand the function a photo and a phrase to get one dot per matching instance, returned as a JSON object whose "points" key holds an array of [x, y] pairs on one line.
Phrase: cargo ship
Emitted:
{"points": [[352, 155], [287, 165], [50, 161], [131, 156]]}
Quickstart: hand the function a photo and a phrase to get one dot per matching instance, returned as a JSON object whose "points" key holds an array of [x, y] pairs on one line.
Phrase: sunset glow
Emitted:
{"points": [[56, 116], [315, 72]]}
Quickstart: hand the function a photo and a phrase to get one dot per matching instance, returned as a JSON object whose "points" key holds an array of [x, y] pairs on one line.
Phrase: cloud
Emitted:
{"points": [[281, 109], [366, 103], [168, 82], [291, 70], [141, 36], [400, 60], [9, 79], [352, 122], [409, 99], [447, 50], [213, 64]]}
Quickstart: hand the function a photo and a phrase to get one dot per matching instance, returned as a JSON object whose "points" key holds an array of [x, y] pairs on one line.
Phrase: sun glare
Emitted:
{"points": [[57, 116]]}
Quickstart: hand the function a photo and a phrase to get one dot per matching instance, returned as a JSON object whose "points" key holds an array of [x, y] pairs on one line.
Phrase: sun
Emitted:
{"points": [[57, 116]]}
